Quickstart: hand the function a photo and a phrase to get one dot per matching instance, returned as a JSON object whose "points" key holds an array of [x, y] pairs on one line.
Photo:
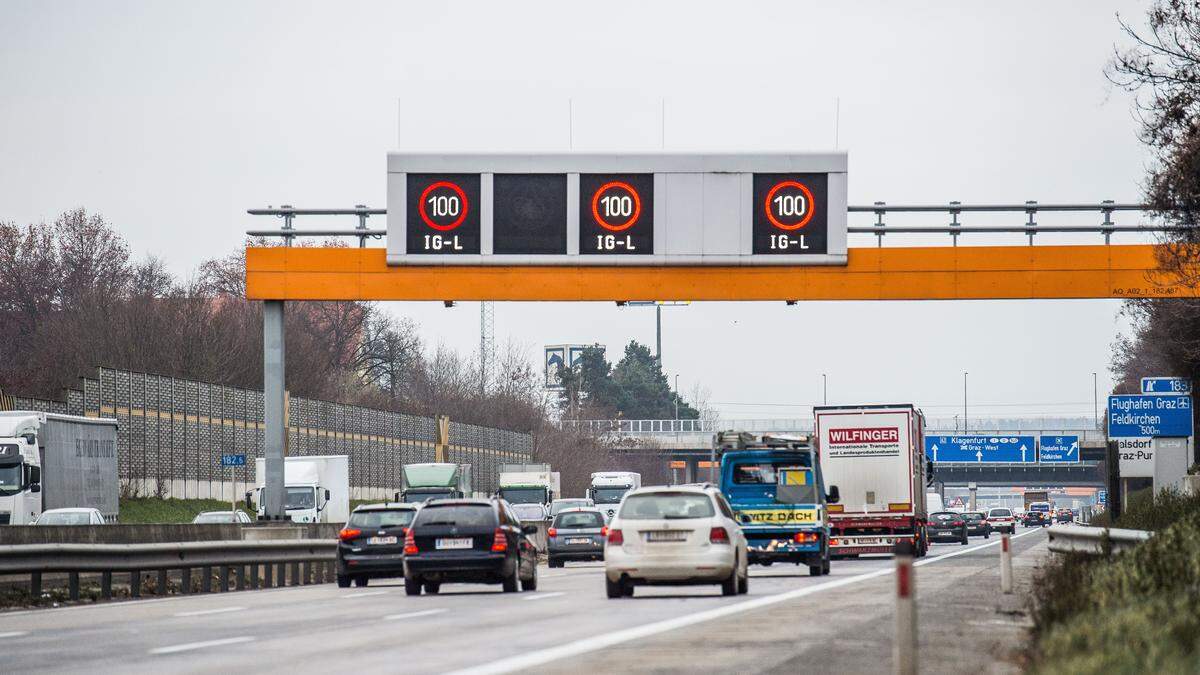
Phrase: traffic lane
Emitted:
{"points": [[845, 627]]}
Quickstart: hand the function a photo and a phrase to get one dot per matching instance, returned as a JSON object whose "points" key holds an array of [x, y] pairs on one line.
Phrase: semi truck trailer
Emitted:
{"points": [[52, 461]]}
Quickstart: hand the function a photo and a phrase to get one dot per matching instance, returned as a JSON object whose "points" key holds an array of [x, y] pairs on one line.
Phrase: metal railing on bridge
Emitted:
{"points": [[1048, 426]]}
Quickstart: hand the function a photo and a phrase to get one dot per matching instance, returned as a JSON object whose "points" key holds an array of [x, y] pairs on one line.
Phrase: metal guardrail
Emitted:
{"points": [[1105, 210], [309, 560], [1094, 540]]}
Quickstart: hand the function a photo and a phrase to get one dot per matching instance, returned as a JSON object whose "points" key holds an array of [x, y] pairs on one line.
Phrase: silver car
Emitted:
{"points": [[576, 534]]}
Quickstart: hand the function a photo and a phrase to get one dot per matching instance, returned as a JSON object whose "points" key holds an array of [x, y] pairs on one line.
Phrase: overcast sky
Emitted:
{"points": [[172, 119]]}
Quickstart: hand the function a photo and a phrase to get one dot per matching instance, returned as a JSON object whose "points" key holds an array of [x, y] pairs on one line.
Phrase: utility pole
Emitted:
{"points": [[824, 389], [966, 426], [1095, 402], [658, 333], [486, 343]]}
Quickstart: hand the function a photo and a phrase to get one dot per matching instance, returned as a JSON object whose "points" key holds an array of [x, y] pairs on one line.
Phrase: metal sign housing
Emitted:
{"points": [[570, 209]]}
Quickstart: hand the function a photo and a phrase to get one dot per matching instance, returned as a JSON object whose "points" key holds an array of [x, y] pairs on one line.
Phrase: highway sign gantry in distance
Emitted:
{"points": [[981, 449]]}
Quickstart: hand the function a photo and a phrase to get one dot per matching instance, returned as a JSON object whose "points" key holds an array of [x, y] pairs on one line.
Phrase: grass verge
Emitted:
{"points": [[151, 510]]}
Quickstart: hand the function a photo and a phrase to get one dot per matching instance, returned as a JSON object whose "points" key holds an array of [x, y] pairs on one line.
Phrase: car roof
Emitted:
{"points": [[387, 506], [581, 509], [693, 488], [460, 501]]}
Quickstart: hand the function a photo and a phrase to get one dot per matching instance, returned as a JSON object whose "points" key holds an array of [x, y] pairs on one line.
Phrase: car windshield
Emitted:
{"points": [[217, 517], [524, 495], [608, 495], [458, 515], [578, 519], [667, 505], [794, 481], [372, 520], [10, 479], [65, 518], [567, 504], [1001, 513], [300, 498]]}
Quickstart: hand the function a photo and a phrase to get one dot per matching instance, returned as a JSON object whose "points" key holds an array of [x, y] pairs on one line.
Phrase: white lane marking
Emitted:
{"points": [[205, 612], [363, 595], [14, 633], [542, 657], [189, 646], [543, 596], [413, 615]]}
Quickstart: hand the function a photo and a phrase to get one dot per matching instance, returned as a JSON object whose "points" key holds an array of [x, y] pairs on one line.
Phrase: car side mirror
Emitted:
{"points": [[529, 529], [834, 495], [326, 495], [35, 487], [249, 500]]}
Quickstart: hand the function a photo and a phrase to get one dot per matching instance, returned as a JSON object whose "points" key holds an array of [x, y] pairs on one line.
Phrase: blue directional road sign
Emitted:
{"points": [[1167, 386], [981, 448], [233, 460], [1058, 449], [1149, 416], [1102, 497]]}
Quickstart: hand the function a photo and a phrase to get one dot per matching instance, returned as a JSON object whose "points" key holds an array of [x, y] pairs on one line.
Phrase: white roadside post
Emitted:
{"points": [[904, 648], [1006, 578]]}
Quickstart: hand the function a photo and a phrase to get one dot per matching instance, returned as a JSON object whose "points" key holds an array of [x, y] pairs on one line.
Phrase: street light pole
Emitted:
{"points": [[824, 389], [1095, 402], [676, 395], [966, 426]]}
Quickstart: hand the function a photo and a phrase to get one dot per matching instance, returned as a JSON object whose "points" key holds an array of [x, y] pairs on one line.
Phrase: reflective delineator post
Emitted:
{"points": [[904, 647], [1006, 579]]}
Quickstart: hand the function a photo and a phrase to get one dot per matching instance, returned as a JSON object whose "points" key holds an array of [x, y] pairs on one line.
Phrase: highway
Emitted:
{"points": [[789, 622]]}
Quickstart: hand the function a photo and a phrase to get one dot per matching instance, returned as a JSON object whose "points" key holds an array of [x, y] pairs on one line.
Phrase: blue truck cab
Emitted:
{"points": [[777, 492]]}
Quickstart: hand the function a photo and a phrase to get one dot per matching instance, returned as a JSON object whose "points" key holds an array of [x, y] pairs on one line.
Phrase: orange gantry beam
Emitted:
{"points": [[928, 273]]}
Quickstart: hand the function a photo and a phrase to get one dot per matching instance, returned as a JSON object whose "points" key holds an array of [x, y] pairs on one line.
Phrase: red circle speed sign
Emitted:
{"points": [[446, 200], [617, 200], [789, 205]]}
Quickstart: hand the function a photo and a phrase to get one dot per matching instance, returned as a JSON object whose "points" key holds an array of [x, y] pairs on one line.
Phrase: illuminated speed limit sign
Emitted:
{"points": [[443, 214], [616, 214], [790, 214]]}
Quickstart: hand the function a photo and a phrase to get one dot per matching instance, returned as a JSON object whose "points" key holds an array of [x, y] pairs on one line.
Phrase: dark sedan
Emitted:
{"points": [[977, 524], [576, 534], [468, 541], [371, 545], [945, 525]]}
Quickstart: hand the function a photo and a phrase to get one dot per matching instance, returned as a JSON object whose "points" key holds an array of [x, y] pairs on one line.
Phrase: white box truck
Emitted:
{"points": [[316, 488], [529, 488], [51, 461], [608, 488], [875, 454]]}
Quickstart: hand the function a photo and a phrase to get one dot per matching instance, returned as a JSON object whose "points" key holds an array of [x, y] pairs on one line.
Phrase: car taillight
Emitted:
{"points": [[499, 542], [410, 543], [957, 523], [805, 537], [718, 535], [347, 533], [552, 532], [604, 531], [615, 537]]}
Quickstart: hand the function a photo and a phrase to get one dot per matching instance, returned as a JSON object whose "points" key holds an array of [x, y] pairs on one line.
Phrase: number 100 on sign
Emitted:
{"points": [[443, 214], [616, 214]]}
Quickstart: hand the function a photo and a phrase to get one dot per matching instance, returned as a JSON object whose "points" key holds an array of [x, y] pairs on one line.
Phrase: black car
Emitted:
{"points": [[577, 534], [371, 545], [947, 525], [977, 524], [468, 541]]}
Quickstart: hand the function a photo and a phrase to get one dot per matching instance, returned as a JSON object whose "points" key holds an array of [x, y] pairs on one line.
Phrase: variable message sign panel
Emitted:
{"points": [[617, 210]]}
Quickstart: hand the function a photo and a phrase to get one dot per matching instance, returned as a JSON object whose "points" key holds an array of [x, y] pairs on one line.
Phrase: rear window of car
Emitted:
{"points": [[667, 505], [378, 519], [999, 513], [974, 516], [945, 516], [459, 515], [581, 519]]}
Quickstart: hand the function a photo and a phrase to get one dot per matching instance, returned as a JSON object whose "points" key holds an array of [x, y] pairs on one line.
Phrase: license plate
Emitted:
{"points": [[380, 541], [579, 541], [857, 542], [460, 543], [671, 535]]}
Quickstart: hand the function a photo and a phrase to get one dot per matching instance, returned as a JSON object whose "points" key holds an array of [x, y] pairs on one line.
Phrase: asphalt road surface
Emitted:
{"points": [[844, 620]]}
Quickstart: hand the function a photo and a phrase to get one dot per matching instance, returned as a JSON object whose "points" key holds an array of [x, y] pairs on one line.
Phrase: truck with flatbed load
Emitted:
{"points": [[529, 489], [316, 488], [52, 461], [875, 454], [434, 480], [775, 485], [608, 488]]}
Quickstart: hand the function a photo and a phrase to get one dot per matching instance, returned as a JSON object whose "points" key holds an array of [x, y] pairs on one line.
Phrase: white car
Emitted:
{"points": [[209, 517], [79, 516], [1002, 520], [678, 535]]}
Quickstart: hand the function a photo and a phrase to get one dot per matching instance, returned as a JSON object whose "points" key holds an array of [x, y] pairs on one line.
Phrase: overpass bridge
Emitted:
{"points": [[686, 446]]}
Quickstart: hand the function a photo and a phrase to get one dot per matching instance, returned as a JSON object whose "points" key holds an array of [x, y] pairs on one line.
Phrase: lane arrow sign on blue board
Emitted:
{"points": [[981, 449], [1058, 449]]}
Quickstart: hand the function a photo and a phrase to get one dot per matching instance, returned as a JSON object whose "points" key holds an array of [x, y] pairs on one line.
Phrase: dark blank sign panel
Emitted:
{"points": [[616, 214], [791, 213], [529, 213], [443, 214]]}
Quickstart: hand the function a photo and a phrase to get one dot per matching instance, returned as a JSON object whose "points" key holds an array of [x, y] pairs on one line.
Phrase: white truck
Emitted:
{"points": [[529, 488], [609, 487], [51, 461], [434, 480], [875, 454], [316, 488]]}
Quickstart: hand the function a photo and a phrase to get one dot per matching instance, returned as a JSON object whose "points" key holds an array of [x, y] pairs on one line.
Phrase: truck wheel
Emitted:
{"points": [[360, 581], [825, 564], [343, 581], [613, 589], [412, 586], [432, 587]]}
